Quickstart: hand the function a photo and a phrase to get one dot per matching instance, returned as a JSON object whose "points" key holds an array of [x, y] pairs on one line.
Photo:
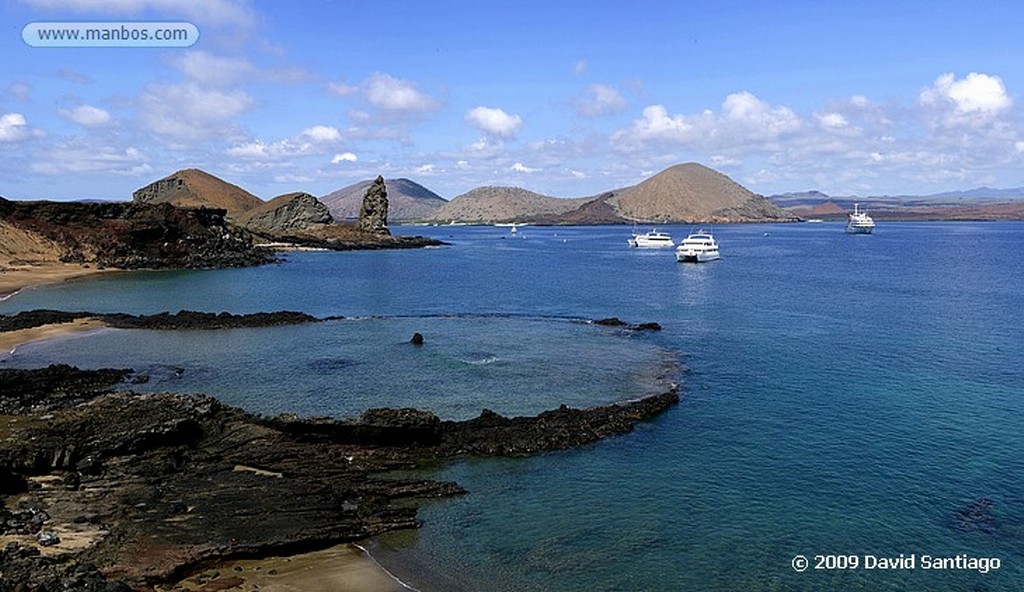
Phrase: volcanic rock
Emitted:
{"points": [[136, 235], [408, 201], [373, 215], [287, 213]]}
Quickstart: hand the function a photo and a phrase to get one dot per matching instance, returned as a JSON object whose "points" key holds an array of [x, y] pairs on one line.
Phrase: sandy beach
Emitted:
{"points": [[15, 278]]}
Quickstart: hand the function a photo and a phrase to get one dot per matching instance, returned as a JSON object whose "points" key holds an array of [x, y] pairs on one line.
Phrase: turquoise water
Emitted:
{"points": [[841, 394]]}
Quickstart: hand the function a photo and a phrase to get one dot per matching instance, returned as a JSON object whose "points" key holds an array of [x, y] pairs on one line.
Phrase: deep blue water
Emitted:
{"points": [[841, 394]]}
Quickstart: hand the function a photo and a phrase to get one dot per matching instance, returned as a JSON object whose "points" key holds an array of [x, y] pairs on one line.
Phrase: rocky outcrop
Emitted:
{"points": [[159, 484], [58, 386], [289, 213], [373, 215], [408, 201], [193, 188], [347, 238], [164, 321], [136, 235]]}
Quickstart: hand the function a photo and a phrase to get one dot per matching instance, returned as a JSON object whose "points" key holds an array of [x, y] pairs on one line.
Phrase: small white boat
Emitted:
{"points": [[859, 222], [698, 247], [651, 240]]}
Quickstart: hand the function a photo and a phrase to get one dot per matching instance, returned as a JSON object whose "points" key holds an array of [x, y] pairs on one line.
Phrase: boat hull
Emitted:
{"points": [[860, 229], [647, 244], [691, 257]]}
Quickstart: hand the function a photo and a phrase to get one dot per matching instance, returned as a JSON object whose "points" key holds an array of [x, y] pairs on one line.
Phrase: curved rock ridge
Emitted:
{"points": [[160, 484], [185, 319], [190, 319]]}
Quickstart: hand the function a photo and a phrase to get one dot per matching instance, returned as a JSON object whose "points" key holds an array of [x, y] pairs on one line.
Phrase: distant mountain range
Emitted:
{"points": [[982, 203], [684, 193], [688, 192]]}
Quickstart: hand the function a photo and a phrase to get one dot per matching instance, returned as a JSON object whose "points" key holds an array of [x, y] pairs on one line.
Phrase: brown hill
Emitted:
{"points": [[193, 188], [490, 205], [595, 211], [828, 209], [694, 193], [408, 201], [286, 213]]}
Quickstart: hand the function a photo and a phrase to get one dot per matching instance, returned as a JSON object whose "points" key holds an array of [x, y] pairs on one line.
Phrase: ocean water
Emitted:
{"points": [[842, 395]]}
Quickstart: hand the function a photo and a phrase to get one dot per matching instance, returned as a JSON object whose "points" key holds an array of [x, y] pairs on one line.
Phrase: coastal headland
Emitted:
{"points": [[107, 489]]}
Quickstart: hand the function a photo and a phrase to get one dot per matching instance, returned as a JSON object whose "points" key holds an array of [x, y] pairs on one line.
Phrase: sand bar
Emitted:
{"points": [[11, 339]]}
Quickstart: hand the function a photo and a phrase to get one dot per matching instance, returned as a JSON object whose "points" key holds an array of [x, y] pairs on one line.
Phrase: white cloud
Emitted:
{"points": [[322, 133], [14, 128], [1019, 146], [230, 13], [744, 122], [580, 68], [859, 101], [86, 115], [253, 151], [319, 139], [293, 178], [341, 89], [212, 70], [757, 117], [832, 120], [80, 156], [656, 124], [493, 120], [598, 100], [425, 169], [976, 93], [344, 157], [188, 111], [522, 168], [387, 93]]}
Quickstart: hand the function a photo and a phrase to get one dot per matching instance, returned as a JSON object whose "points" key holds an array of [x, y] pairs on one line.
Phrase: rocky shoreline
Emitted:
{"points": [[185, 319], [109, 490]]}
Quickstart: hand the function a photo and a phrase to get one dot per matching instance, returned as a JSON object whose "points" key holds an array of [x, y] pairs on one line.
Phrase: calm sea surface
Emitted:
{"points": [[844, 395]]}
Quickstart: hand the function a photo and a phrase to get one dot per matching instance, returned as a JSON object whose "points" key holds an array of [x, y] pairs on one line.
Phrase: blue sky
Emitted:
{"points": [[564, 98]]}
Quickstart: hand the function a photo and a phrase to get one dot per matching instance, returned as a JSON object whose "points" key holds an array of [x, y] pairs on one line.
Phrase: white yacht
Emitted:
{"points": [[859, 222], [697, 248], [651, 240]]}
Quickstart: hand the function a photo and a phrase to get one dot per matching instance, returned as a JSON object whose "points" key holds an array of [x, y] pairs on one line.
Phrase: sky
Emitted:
{"points": [[565, 98]]}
